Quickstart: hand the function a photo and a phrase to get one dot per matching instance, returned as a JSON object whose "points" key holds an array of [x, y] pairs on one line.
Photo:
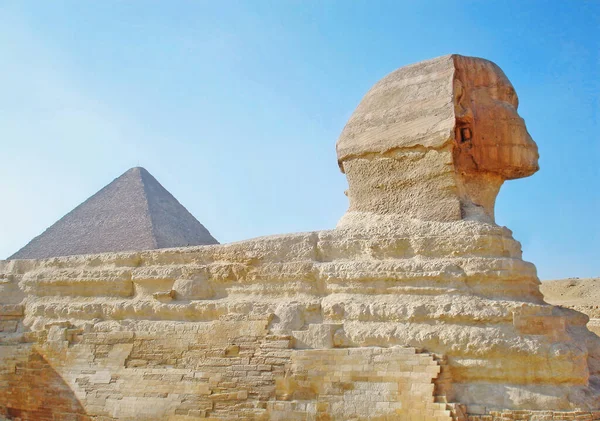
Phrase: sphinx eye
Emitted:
{"points": [[511, 95]]}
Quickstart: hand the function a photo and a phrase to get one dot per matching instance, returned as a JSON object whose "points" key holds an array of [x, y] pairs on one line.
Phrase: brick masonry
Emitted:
{"points": [[537, 416], [219, 370]]}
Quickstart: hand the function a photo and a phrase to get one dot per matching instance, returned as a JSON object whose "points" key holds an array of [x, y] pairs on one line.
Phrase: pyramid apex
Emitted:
{"points": [[136, 169]]}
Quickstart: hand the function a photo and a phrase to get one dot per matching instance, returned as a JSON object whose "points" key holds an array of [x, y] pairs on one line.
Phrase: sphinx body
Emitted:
{"points": [[416, 299]]}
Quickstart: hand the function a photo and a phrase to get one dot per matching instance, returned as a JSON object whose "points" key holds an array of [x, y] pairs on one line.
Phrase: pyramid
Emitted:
{"points": [[134, 212]]}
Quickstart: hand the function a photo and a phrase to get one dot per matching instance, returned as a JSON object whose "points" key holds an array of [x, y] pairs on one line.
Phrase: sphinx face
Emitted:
{"points": [[491, 136]]}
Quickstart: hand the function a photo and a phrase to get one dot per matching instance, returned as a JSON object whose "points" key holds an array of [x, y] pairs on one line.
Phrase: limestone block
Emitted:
{"points": [[193, 289], [316, 336]]}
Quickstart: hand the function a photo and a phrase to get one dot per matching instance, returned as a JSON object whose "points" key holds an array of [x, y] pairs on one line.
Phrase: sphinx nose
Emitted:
{"points": [[531, 157]]}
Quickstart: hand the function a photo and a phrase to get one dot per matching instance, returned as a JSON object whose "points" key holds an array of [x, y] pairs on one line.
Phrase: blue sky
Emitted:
{"points": [[235, 107]]}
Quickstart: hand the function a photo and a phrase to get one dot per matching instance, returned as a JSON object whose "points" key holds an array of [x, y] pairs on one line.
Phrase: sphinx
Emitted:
{"points": [[416, 306]]}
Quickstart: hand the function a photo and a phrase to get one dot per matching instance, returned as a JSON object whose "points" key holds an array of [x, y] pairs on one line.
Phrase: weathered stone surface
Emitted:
{"points": [[419, 310]]}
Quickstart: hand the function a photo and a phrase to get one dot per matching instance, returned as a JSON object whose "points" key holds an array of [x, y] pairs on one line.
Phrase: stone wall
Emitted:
{"points": [[537, 416], [218, 370], [361, 383]]}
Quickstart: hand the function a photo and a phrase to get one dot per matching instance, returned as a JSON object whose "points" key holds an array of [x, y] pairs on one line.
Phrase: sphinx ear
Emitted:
{"points": [[464, 134], [463, 113]]}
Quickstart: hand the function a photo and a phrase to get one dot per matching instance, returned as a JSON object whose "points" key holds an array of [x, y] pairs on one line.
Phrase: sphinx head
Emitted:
{"points": [[435, 141]]}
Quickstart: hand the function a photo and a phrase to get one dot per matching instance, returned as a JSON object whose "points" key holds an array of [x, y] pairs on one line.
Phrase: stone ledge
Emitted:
{"points": [[526, 415], [12, 310]]}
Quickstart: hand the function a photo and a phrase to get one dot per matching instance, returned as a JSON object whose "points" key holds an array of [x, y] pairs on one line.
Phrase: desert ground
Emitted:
{"points": [[581, 294]]}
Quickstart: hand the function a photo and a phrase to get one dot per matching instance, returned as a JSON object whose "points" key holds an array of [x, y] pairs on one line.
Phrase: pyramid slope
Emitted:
{"points": [[134, 212], [172, 224]]}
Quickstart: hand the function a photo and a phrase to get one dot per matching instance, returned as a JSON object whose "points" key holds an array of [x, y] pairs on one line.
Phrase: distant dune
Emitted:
{"points": [[581, 294]]}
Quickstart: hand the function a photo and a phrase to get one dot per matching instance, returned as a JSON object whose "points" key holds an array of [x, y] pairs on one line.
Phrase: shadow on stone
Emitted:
{"points": [[35, 391]]}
